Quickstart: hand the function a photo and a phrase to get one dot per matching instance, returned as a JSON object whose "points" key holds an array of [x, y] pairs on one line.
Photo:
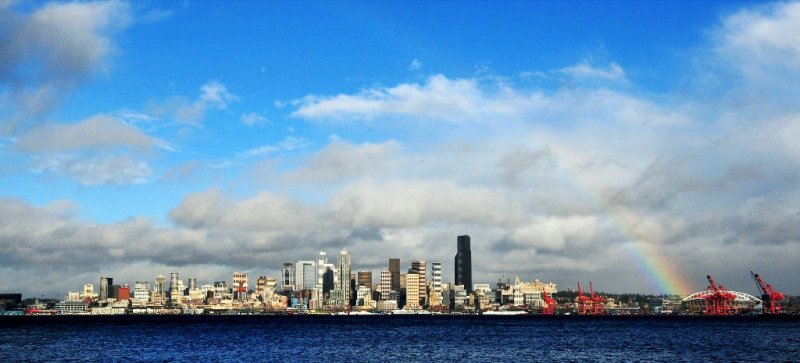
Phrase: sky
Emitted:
{"points": [[637, 145]]}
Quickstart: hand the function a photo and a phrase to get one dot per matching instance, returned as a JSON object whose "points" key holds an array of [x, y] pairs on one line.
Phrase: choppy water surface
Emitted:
{"points": [[404, 338]]}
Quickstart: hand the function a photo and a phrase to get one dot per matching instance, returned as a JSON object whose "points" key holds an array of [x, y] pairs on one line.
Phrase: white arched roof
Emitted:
{"points": [[740, 297]]}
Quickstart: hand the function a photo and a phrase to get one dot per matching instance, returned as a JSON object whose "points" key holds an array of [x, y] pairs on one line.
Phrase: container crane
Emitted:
{"points": [[718, 300], [771, 298], [549, 304], [583, 301], [598, 302]]}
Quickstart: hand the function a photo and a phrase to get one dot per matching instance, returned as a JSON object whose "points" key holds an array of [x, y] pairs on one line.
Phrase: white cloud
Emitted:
{"points": [[48, 53], [91, 170], [213, 96], [764, 37], [253, 118], [439, 98], [415, 65], [100, 131], [288, 144], [585, 70], [97, 151]]}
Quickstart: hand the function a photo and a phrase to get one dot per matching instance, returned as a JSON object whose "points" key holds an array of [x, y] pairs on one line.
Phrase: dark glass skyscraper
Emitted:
{"points": [[394, 268], [464, 263]]}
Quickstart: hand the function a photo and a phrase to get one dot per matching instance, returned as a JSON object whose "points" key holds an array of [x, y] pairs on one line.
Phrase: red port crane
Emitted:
{"points": [[598, 302], [718, 300], [549, 304], [584, 302], [770, 298]]}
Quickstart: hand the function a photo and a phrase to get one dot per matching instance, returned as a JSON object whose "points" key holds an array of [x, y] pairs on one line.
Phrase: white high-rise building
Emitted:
{"points": [[436, 276], [322, 260], [343, 283], [141, 293], [386, 283], [412, 291], [175, 287], [305, 275], [363, 296]]}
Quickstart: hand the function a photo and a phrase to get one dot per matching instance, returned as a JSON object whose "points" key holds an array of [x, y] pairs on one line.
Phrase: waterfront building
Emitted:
{"points": [[436, 277], [386, 283], [412, 291], [122, 293], [288, 276], [463, 263], [364, 279], [261, 284], [459, 297], [240, 281], [71, 307], [269, 288], [174, 289], [141, 293], [394, 268], [105, 288], [220, 289], [343, 283], [192, 283], [88, 292], [418, 267], [305, 278], [363, 296]]}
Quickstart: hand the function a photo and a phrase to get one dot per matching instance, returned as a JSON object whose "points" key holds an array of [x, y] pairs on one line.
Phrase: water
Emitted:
{"points": [[404, 338]]}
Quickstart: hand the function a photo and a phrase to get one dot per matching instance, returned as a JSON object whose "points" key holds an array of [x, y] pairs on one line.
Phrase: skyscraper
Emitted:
{"points": [[386, 283], [365, 279], [105, 287], [174, 289], [322, 260], [436, 276], [287, 276], [160, 286], [412, 291], [419, 267], [394, 269], [463, 263], [305, 275], [343, 285]]}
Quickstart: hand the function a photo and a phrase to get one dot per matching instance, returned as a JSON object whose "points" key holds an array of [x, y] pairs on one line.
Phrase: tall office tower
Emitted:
{"points": [[174, 289], [287, 276], [419, 268], [105, 287], [161, 285], [386, 283], [394, 268], [364, 279], [343, 284], [306, 275], [322, 260], [412, 291], [192, 283], [261, 286], [329, 278], [463, 264], [436, 277], [240, 280]]}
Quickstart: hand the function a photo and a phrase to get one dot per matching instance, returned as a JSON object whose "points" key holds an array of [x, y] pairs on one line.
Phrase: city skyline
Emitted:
{"points": [[641, 146]]}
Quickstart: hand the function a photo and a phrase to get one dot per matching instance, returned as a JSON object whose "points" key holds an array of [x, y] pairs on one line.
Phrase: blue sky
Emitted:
{"points": [[242, 135]]}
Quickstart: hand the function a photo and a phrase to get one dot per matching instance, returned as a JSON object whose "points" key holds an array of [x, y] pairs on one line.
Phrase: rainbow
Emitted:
{"points": [[661, 272]]}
